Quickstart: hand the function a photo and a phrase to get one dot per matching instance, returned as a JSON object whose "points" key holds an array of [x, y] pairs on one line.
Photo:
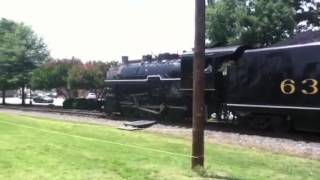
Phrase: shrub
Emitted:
{"points": [[68, 104], [81, 103]]}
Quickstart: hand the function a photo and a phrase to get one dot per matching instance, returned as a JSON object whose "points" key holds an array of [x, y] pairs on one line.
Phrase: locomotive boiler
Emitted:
{"points": [[150, 86]]}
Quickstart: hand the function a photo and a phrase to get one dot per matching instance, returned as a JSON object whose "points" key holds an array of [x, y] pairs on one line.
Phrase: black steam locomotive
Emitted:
{"points": [[148, 86], [275, 87]]}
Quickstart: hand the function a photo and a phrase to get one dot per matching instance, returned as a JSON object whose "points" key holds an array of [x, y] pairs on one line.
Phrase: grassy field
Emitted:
{"points": [[33, 148]]}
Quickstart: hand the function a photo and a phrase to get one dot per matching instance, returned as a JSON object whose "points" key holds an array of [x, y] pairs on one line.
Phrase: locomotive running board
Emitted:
{"points": [[273, 107], [147, 79]]}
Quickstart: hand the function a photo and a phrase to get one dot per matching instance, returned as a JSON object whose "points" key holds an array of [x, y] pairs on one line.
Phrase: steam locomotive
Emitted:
{"points": [[274, 87], [148, 86]]}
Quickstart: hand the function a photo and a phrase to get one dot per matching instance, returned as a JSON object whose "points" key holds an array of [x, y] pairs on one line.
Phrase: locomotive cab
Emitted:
{"points": [[217, 62]]}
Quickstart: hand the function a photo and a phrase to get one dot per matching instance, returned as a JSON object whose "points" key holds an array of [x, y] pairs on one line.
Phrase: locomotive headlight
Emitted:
{"points": [[214, 115], [231, 116]]}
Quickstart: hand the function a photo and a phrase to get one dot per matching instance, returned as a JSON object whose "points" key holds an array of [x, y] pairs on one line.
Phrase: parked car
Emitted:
{"points": [[91, 96], [43, 99]]}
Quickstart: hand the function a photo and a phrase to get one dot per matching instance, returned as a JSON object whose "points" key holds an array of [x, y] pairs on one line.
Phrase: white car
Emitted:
{"points": [[91, 96]]}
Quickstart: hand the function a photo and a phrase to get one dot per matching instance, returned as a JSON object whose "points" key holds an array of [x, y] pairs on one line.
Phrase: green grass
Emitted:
{"points": [[35, 148]]}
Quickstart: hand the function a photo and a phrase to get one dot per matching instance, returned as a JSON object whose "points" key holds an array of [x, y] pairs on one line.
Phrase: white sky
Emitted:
{"points": [[107, 29]]}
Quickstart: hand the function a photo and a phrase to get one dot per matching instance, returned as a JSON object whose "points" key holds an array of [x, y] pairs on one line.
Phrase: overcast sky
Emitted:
{"points": [[107, 29]]}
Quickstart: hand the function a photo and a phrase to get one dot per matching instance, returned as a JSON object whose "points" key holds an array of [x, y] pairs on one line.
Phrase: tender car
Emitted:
{"points": [[43, 99]]}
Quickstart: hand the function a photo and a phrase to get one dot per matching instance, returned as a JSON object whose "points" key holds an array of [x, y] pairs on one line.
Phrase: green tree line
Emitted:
{"points": [[259, 22], [70, 75], [25, 62], [21, 51]]}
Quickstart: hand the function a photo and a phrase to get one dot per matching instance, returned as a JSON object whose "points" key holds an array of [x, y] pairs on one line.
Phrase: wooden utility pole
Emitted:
{"points": [[198, 117]]}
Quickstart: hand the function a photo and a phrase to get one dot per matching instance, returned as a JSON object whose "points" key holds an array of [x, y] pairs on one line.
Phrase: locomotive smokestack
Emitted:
{"points": [[147, 58], [125, 59]]}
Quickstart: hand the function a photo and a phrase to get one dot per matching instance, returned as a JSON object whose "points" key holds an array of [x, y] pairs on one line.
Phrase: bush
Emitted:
{"points": [[88, 104], [81, 103], [68, 104]]}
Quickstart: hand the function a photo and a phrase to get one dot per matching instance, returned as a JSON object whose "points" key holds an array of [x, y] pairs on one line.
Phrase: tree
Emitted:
{"points": [[54, 75], [89, 76], [210, 2], [70, 75], [21, 52], [33, 53], [6, 83], [307, 14], [256, 22], [8, 56]]}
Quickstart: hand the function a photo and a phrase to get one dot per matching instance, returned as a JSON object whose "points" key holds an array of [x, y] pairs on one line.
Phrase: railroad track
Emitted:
{"points": [[56, 110], [210, 126]]}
